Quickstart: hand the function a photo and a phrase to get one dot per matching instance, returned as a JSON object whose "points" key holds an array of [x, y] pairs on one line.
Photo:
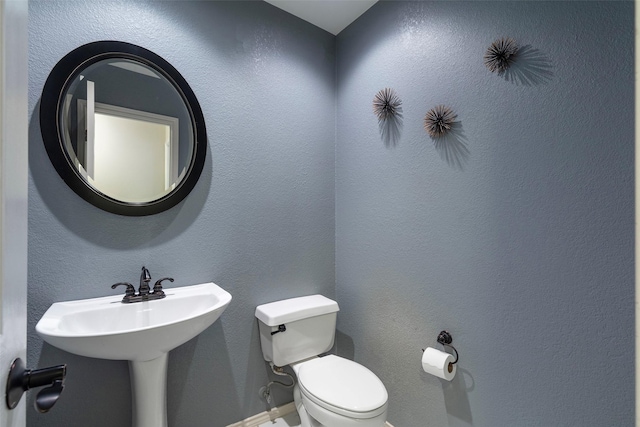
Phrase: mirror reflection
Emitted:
{"points": [[126, 130], [123, 128]]}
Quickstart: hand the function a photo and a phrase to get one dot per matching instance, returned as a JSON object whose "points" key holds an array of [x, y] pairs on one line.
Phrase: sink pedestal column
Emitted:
{"points": [[149, 390]]}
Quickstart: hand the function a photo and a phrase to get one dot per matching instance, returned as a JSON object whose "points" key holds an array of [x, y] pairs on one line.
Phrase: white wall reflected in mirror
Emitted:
{"points": [[132, 158], [129, 155]]}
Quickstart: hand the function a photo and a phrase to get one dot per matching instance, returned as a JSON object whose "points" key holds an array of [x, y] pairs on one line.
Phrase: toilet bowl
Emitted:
{"points": [[338, 392], [331, 391]]}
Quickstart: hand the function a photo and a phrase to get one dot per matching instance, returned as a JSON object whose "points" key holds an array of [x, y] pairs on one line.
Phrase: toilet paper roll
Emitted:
{"points": [[438, 363]]}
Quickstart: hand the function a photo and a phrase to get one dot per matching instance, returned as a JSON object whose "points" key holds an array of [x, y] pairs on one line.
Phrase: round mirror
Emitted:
{"points": [[123, 128]]}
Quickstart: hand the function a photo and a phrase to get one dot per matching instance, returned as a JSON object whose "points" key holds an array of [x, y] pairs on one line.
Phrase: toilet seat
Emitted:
{"points": [[342, 386]]}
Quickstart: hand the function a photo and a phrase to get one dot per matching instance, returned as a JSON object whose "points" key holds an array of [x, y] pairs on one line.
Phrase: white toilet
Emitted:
{"points": [[331, 391]]}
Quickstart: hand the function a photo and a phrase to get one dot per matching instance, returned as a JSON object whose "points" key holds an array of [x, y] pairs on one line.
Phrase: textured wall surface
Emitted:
{"points": [[522, 249], [515, 233], [260, 222]]}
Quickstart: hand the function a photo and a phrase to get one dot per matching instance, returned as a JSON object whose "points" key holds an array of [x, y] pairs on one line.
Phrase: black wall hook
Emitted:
{"points": [[446, 339], [21, 379]]}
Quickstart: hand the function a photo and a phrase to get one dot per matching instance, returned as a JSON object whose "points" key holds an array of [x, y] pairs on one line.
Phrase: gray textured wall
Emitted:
{"points": [[260, 222], [526, 254], [523, 249]]}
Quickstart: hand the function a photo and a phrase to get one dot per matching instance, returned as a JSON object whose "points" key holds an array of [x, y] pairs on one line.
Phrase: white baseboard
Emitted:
{"points": [[271, 415]]}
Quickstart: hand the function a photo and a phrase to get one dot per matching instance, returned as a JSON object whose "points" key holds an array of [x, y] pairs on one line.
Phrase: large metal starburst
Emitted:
{"points": [[439, 120], [500, 55]]}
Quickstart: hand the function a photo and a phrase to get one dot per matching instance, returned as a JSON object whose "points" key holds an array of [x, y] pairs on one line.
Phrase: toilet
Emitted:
{"points": [[330, 391]]}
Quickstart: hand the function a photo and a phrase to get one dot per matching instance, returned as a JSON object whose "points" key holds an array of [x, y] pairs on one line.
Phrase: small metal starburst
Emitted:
{"points": [[386, 104], [439, 120], [500, 55]]}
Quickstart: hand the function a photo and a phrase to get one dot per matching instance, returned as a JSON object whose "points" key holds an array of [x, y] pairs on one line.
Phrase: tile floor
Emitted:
{"points": [[289, 420]]}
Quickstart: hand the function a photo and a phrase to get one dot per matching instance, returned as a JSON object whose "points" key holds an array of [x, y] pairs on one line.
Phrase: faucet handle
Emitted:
{"points": [[131, 291], [157, 288]]}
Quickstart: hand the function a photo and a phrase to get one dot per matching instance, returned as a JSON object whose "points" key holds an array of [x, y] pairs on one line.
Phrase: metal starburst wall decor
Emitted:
{"points": [[387, 106], [439, 120], [500, 55]]}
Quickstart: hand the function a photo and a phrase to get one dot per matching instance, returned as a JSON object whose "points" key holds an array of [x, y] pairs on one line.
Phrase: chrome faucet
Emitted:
{"points": [[144, 293]]}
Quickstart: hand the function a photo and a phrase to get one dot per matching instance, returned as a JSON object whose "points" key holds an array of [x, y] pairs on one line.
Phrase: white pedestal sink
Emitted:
{"points": [[142, 333]]}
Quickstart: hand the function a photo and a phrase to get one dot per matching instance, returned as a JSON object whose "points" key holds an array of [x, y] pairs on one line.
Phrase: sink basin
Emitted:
{"points": [[142, 333], [108, 329]]}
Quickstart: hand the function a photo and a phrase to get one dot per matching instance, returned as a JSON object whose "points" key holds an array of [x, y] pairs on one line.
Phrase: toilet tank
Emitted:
{"points": [[295, 329]]}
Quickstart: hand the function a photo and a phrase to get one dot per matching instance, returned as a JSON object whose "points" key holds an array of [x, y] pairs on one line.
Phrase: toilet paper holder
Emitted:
{"points": [[446, 339]]}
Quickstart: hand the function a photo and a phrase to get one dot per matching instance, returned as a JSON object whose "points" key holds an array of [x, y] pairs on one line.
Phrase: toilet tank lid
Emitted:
{"points": [[292, 309]]}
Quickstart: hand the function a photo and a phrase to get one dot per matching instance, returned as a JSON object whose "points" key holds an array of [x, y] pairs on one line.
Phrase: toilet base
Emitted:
{"points": [[306, 420]]}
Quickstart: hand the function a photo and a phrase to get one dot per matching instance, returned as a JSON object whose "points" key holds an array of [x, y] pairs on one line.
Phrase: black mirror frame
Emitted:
{"points": [[61, 76]]}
